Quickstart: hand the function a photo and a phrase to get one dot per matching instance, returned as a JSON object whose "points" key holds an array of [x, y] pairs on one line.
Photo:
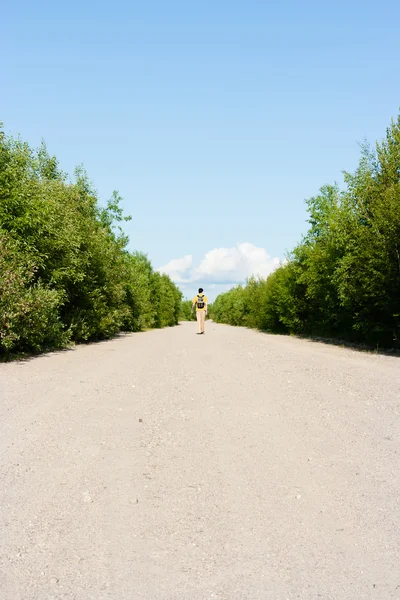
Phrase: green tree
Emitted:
{"points": [[343, 279], [71, 271]]}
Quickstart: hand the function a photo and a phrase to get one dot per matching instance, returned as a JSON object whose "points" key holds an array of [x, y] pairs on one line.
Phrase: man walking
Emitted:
{"points": [[200, 302]]}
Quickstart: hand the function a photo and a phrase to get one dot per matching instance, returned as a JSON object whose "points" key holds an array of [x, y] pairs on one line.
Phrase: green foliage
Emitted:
{"points": [[186, 313], [165, 295], [65, 271], [343, 279], [230, 307], [28, 311]]}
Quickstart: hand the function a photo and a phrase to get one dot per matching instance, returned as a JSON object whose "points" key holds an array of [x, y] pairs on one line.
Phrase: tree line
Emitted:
{"points": [[65, 271], [343, 279]]}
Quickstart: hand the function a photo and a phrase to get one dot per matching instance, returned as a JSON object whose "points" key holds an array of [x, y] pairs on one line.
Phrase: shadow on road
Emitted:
{"points": [[351, 345], [25, 357]]}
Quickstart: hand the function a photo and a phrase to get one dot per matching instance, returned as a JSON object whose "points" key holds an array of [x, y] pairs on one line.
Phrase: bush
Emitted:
{"points": [[186, 313], [343, 279], [66, 273], [29, 313]]}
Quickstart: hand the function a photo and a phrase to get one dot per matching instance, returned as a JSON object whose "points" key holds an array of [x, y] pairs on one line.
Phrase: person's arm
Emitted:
{"points": [[193, 305]]}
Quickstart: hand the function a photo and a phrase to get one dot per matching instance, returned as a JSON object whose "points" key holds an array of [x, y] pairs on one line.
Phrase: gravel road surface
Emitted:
{"points": [[231, 466]]}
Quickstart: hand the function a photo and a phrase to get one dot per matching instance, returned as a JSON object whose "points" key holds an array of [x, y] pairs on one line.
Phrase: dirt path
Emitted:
{"points": [[230, 466]]}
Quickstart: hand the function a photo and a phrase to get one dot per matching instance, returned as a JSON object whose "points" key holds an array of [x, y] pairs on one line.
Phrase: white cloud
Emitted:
{"points": [[179, 269], [234, 265], [222, 266]]}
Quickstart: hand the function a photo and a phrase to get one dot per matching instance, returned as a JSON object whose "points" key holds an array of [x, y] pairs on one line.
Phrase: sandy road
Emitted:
{"points": [[230, 466]]}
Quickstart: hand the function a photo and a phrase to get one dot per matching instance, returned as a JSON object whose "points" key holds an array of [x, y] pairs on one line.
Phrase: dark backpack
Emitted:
{"points": [[200, 301]]}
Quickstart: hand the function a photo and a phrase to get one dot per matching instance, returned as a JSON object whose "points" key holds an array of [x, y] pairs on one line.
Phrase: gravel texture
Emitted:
{"points": [[231, 466]]}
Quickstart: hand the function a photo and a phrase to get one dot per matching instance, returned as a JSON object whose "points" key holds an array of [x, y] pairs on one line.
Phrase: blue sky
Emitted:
{"points": [[214, 120]]}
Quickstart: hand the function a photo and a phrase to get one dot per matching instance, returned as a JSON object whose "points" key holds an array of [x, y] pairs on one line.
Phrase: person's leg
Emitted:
{"points": [[203, 318], [198, 317]]}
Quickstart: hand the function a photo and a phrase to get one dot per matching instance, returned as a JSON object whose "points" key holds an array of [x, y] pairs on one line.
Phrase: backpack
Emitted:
{"points": [[200, 301]]}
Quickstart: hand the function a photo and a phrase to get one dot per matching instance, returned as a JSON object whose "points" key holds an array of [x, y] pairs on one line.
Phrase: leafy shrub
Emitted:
{"points": [[65, 270], [28, 313], [343, 279]]}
